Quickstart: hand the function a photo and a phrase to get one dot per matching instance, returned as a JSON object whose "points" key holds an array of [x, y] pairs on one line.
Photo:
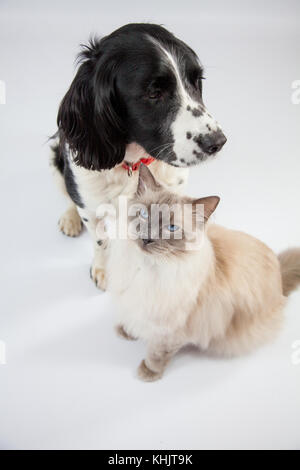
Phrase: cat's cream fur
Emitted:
{"points": [[227, 297]]}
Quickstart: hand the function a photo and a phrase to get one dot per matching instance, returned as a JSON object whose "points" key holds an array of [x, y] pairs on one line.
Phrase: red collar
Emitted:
{"points": [[130, 167]]}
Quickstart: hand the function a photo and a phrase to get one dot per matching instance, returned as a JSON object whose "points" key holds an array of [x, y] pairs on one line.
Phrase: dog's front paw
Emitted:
{"points": [[123, 333], [148, 375], [70, 223], [99, 277]]}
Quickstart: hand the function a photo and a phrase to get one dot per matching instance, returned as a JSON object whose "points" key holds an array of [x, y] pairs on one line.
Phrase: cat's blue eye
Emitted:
{"points": [[173, 228], [144, 213]]}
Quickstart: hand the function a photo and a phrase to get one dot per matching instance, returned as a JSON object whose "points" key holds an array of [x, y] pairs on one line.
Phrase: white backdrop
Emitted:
{"points": [[68, 381]]}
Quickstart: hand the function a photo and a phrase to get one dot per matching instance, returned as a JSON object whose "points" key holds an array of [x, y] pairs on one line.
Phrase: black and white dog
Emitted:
{"points": [[137, 96]]}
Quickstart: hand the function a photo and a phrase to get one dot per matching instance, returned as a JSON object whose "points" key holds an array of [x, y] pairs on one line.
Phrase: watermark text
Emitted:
{"points": [[296, 93], [295, 357], [2, 353], [2, 92], [152, 223]]}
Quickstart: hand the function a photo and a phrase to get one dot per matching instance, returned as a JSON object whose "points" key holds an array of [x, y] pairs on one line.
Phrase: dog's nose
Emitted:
{"points": [[146, 241], [212, 143]]}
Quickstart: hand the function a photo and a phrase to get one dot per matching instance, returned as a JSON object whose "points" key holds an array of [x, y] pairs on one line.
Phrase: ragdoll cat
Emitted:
{"points": [[223, 291]]}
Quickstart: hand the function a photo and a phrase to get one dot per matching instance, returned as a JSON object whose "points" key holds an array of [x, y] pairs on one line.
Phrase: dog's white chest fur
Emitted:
{"points": [[96, 187]]}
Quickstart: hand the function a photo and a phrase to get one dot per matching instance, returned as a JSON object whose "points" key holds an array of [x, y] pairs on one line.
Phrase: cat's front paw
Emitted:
{"points": [[146, 374], [123, 333], [98, 275]]}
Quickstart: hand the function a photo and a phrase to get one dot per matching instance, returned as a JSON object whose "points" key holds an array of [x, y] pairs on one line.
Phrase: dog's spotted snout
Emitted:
{"points": [[211, 143]]}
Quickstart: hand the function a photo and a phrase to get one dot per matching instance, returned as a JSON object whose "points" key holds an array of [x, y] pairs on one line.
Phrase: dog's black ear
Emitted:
{"points": [[89, 117]]}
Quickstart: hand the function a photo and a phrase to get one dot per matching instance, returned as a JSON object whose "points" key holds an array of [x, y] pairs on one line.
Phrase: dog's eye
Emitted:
{"points": [[155, 95]]}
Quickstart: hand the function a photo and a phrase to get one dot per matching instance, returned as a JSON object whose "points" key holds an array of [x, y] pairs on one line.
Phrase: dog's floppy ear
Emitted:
{"points": [[88, 117]]}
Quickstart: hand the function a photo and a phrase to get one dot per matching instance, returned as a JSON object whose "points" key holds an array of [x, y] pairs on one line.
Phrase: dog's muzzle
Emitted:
{"points": [[211, 143]]}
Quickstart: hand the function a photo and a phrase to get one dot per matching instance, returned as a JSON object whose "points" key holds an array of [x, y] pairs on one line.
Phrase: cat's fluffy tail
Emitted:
{"points": [[290, 270]]}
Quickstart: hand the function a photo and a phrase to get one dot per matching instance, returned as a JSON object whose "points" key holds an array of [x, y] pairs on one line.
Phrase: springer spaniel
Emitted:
{"points": [[137, 96]]}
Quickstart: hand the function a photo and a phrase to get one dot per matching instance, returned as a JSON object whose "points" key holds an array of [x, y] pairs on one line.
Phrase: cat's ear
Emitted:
{"points": [[210, 204], [146, 181]]}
